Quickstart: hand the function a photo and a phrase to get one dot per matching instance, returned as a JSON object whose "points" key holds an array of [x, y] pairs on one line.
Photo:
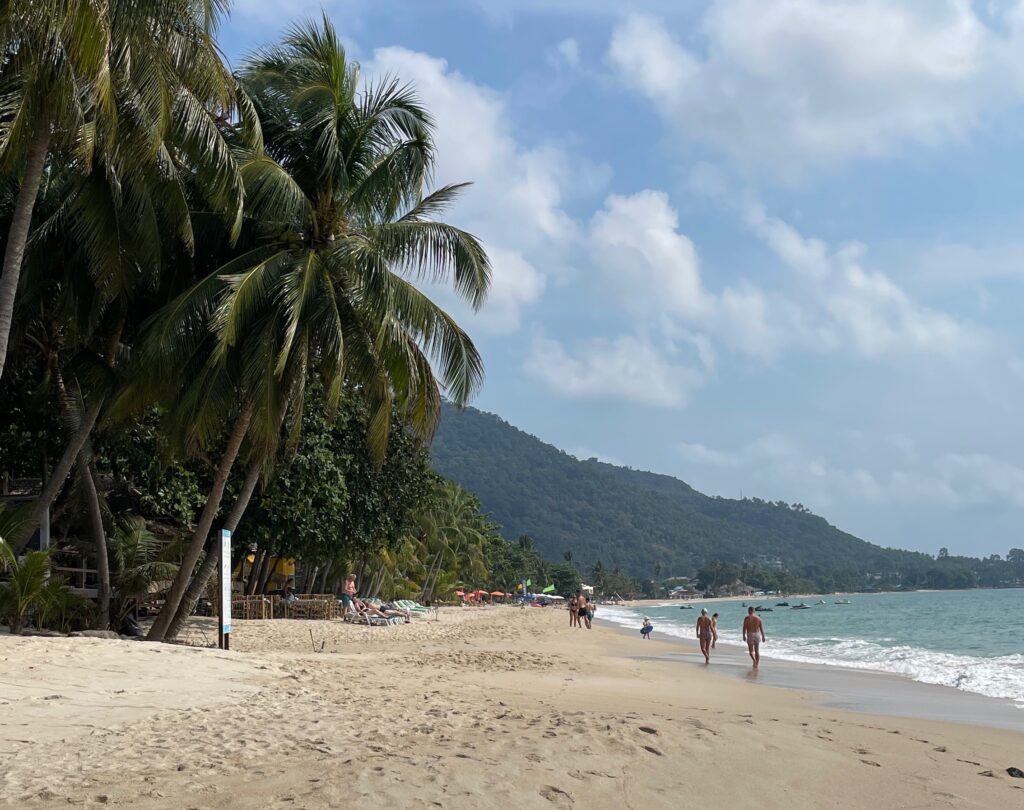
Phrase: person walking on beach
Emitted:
{"points": [[591, 610], [645, 631], [704, 634], [573, 615], [581, 608], [753, 634], [714, 630]]}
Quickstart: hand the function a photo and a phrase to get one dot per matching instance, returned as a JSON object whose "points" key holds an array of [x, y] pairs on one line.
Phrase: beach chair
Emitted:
{"points": [[412, 607], [372, 621]]}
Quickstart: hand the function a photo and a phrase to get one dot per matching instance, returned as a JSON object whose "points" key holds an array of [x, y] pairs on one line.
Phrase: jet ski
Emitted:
{"points": [[801, 606], [760, 609], [844, 602], [782, 604]]}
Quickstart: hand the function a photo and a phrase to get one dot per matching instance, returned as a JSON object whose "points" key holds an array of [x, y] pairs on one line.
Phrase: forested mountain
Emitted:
{"points": [[644, 523]]}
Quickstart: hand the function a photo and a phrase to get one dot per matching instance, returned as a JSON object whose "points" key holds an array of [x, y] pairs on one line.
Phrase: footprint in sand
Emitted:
{"points": [[869, 762], [648, 730], [559, 798], [653, 750]]}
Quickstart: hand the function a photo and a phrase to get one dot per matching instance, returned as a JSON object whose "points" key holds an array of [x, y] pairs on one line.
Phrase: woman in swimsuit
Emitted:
{"points": [[573, 616]]}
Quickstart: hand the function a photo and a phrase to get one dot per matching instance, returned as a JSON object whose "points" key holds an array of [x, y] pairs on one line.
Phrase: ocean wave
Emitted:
{"points": [[998, 677]]}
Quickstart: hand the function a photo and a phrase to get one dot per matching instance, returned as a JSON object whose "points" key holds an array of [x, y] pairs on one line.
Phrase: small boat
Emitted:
{"points": [[764, 610], [844, 602], [782, 604], [801, 606], [686, 607]]}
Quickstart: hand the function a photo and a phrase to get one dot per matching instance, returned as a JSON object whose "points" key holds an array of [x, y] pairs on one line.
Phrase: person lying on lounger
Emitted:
{"points": [[369, 609]]}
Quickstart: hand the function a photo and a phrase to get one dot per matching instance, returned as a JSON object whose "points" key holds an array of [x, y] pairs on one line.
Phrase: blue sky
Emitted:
{"points": [[769, 247]]}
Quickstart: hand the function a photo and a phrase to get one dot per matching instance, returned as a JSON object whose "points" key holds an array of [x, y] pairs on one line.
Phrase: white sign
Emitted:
{"points": [[225, 581]]}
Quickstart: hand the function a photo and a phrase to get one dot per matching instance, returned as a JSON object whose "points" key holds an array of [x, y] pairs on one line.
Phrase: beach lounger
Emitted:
{"points": [[372, 621], [412, 607]]}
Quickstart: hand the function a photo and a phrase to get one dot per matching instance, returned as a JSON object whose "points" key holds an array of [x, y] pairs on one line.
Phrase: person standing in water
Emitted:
{"points": [[704, 634], [753, 634], [714, 630]]}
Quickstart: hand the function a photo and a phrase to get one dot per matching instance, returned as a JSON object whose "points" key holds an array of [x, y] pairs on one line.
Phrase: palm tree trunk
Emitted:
{"points": [[209, 564], [17, 237], [261, 573], [324, 575], [310, 580], [271, 570], [88, 475], [55, 483], [174, 597]]}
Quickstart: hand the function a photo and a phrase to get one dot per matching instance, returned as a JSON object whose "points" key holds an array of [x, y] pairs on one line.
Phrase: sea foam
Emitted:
{"points": [[998, 677]]}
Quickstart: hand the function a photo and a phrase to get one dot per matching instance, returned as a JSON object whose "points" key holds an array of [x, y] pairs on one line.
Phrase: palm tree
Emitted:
{"points": [[139, 561], [116, 78], [25, 586], [339, 227], [145, 142]]}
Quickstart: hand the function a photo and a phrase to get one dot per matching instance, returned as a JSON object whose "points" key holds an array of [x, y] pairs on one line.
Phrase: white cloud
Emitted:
{"points": [[568, 51], [515, 204], [954, 264], [834, 304], [809, 256], [779, 467], [626, 368], [792, 84], [705, 456], [645, 258]]}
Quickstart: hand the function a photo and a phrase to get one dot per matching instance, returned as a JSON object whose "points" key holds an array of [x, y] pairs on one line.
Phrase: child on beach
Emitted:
{"points": [[645, 631]]}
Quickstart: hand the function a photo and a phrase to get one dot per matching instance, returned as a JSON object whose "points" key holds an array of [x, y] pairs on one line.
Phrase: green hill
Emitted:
{"points": [[638, 521]]}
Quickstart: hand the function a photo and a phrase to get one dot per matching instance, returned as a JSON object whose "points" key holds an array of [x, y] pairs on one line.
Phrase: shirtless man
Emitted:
{"points": [[753, 634], [348, 594], [704, 634], [581, 608]]}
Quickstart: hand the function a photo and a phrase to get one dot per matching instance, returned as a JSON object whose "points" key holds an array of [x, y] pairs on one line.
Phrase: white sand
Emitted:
{"points": [[491, 706]]}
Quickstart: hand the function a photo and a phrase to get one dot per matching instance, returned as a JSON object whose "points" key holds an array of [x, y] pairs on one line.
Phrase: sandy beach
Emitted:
{"points": [[495, 705]]}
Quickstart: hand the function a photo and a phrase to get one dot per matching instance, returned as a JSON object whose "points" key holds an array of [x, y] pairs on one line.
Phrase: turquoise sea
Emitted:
{"points": [[970, 640]]}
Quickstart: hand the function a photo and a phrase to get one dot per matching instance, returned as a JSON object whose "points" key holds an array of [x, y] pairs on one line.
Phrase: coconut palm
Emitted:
{"points": [[134, 94], [26, 582], [455, 534], [340, 226], [138, 561], [114, 78]]}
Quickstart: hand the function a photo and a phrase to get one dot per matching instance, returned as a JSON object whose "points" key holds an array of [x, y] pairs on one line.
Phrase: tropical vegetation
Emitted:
{"points": [[213, 294], [651, 527]]}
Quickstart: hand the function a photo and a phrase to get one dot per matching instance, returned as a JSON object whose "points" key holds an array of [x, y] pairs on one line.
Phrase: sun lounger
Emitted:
{"points": [[371, 620], [412, 607]]}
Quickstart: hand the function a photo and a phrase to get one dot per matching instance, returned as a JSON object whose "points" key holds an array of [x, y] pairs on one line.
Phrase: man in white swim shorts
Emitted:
{"points": [[753, 634]]}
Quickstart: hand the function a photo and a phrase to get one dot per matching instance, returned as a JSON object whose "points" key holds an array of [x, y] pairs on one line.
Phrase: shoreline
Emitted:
{"points": [[865, 691], [503, 703]]}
